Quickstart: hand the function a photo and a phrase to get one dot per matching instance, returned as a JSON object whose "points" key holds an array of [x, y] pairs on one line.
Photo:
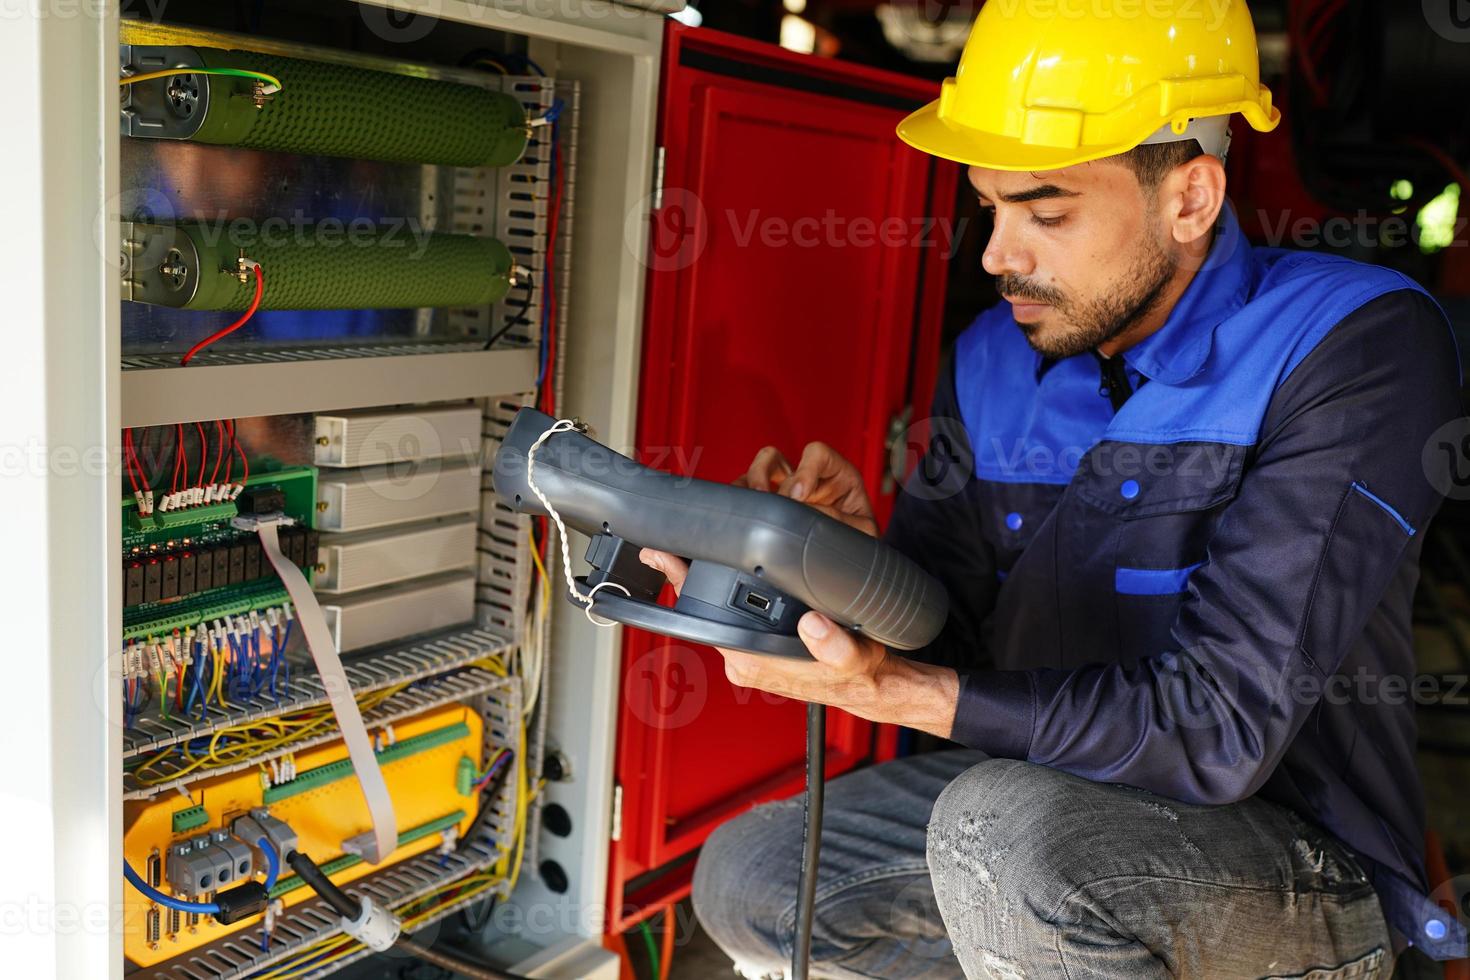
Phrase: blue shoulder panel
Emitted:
{"points": [[1297, 298]]}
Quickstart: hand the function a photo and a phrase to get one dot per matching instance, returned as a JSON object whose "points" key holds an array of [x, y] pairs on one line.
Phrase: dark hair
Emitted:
{"points": [[1150, 162]]}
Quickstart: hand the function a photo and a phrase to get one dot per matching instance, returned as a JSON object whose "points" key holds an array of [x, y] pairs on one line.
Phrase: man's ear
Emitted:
{"points": [[1194, 193]]}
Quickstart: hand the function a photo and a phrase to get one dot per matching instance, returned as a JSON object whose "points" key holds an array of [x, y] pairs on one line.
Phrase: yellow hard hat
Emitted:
{"points": [[1045, 84]]}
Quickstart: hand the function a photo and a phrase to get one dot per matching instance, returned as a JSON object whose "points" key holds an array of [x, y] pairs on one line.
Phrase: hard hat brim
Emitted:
{"points": [[926, 132]]}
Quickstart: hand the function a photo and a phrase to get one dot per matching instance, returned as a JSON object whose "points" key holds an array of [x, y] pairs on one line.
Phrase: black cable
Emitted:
{"points": [[348, 907], [453, 963], [341, 902], [811, 837], [510, 321]]}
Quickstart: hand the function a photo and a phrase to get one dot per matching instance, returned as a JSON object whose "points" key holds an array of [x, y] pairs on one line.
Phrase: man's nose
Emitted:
{"points": [[1005, 254]]}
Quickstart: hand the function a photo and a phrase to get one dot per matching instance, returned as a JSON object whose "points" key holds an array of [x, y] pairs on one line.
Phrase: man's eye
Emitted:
{"points": [[1048, 222]]}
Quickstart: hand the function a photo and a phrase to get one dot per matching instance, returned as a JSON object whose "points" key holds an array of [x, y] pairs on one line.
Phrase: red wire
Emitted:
{"points": [[173, 486], [178, 671], [1451, 167], [130, 459], [254, 305], [203, 453], [548, 389], [184, 457], [219, 451], [1296, 21], [244, 462], [1318, 30], [230, 458]]}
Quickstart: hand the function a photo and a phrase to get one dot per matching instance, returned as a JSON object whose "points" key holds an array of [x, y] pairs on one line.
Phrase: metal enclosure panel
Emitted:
{"points": [[384, 615], [67, 397], [598, 380], [360, 499], [63, 815], [368, 438], [285, 382], [794, 288], [365, 560]]}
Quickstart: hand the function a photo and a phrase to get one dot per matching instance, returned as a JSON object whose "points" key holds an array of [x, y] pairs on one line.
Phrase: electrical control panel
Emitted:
{"points": [[282, 565], [303, 222], [309, 801]]}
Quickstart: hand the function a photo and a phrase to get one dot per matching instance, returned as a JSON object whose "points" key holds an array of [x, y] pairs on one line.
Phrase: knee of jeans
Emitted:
{"points": [[992, 831], [745, 878]]}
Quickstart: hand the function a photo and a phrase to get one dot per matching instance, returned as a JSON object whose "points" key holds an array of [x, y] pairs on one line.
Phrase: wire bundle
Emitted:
{"points": [[254, 739], [237, 658], [169, 460], [500, 879]]}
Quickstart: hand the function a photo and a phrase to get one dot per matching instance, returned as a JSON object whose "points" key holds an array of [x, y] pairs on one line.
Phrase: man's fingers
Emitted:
{"points": [[822, 476], [827, 642], [673, 567], [768, 470]]}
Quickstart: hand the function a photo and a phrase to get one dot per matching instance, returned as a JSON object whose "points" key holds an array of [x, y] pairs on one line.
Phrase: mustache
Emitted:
{"points": [[1019, 288]]}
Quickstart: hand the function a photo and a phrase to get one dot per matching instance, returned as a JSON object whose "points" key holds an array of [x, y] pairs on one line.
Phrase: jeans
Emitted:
{"points": [[953, 864]]}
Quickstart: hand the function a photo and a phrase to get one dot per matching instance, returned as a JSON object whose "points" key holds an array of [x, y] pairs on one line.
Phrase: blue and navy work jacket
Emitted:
{"points": [[1190, 569]]}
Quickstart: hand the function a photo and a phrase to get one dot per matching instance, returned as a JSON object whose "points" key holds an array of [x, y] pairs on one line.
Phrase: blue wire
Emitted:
{"points": [[533, 66], [257, 677], [284, 644], [168, 902], [273, 863], [494, 768], [275, 663], [196, 689], [235, 668], [206, 679]]}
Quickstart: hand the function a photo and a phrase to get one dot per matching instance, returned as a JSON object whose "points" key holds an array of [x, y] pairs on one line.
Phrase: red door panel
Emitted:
{"points": [[792, 296]]}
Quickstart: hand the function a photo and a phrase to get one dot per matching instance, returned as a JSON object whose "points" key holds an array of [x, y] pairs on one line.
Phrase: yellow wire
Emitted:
{"points": [[149, 76], [266, 735], [341, 946]]}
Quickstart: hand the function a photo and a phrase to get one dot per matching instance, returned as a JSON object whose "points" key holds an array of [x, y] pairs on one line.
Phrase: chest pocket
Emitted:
{"points": [[1164, 502]]}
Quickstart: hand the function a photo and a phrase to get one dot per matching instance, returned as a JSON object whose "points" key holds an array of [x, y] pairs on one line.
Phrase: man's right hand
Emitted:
{"points": [[822, 479]]}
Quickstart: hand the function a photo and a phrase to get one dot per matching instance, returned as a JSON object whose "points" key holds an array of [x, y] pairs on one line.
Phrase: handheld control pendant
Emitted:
{"points": [[757, 560]]}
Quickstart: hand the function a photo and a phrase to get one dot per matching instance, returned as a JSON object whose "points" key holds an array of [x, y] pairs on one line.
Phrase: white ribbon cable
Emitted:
{"points": [[384, 837]]}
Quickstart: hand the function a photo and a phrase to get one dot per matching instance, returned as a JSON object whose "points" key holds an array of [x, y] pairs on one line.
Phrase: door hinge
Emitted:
{"points": [[617, 812], [658, 178]]}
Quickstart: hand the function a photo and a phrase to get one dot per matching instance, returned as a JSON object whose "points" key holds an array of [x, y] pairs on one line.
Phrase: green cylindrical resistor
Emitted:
{"points": [[320, 267], [337, 110]]}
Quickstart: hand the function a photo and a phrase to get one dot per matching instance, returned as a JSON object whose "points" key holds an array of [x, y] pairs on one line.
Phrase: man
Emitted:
{"points": [[1176, 496]]}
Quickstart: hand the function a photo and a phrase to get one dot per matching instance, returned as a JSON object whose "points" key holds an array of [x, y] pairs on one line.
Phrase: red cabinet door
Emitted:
{"points": [[796, 281]]}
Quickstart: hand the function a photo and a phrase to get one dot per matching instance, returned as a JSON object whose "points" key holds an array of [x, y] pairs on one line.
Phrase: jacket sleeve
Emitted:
{"points": [[936, 521], [1303, 554]]}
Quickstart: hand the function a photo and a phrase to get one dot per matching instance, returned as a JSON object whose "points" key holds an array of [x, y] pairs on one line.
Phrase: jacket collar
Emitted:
{"points": [[1177, 351]]}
